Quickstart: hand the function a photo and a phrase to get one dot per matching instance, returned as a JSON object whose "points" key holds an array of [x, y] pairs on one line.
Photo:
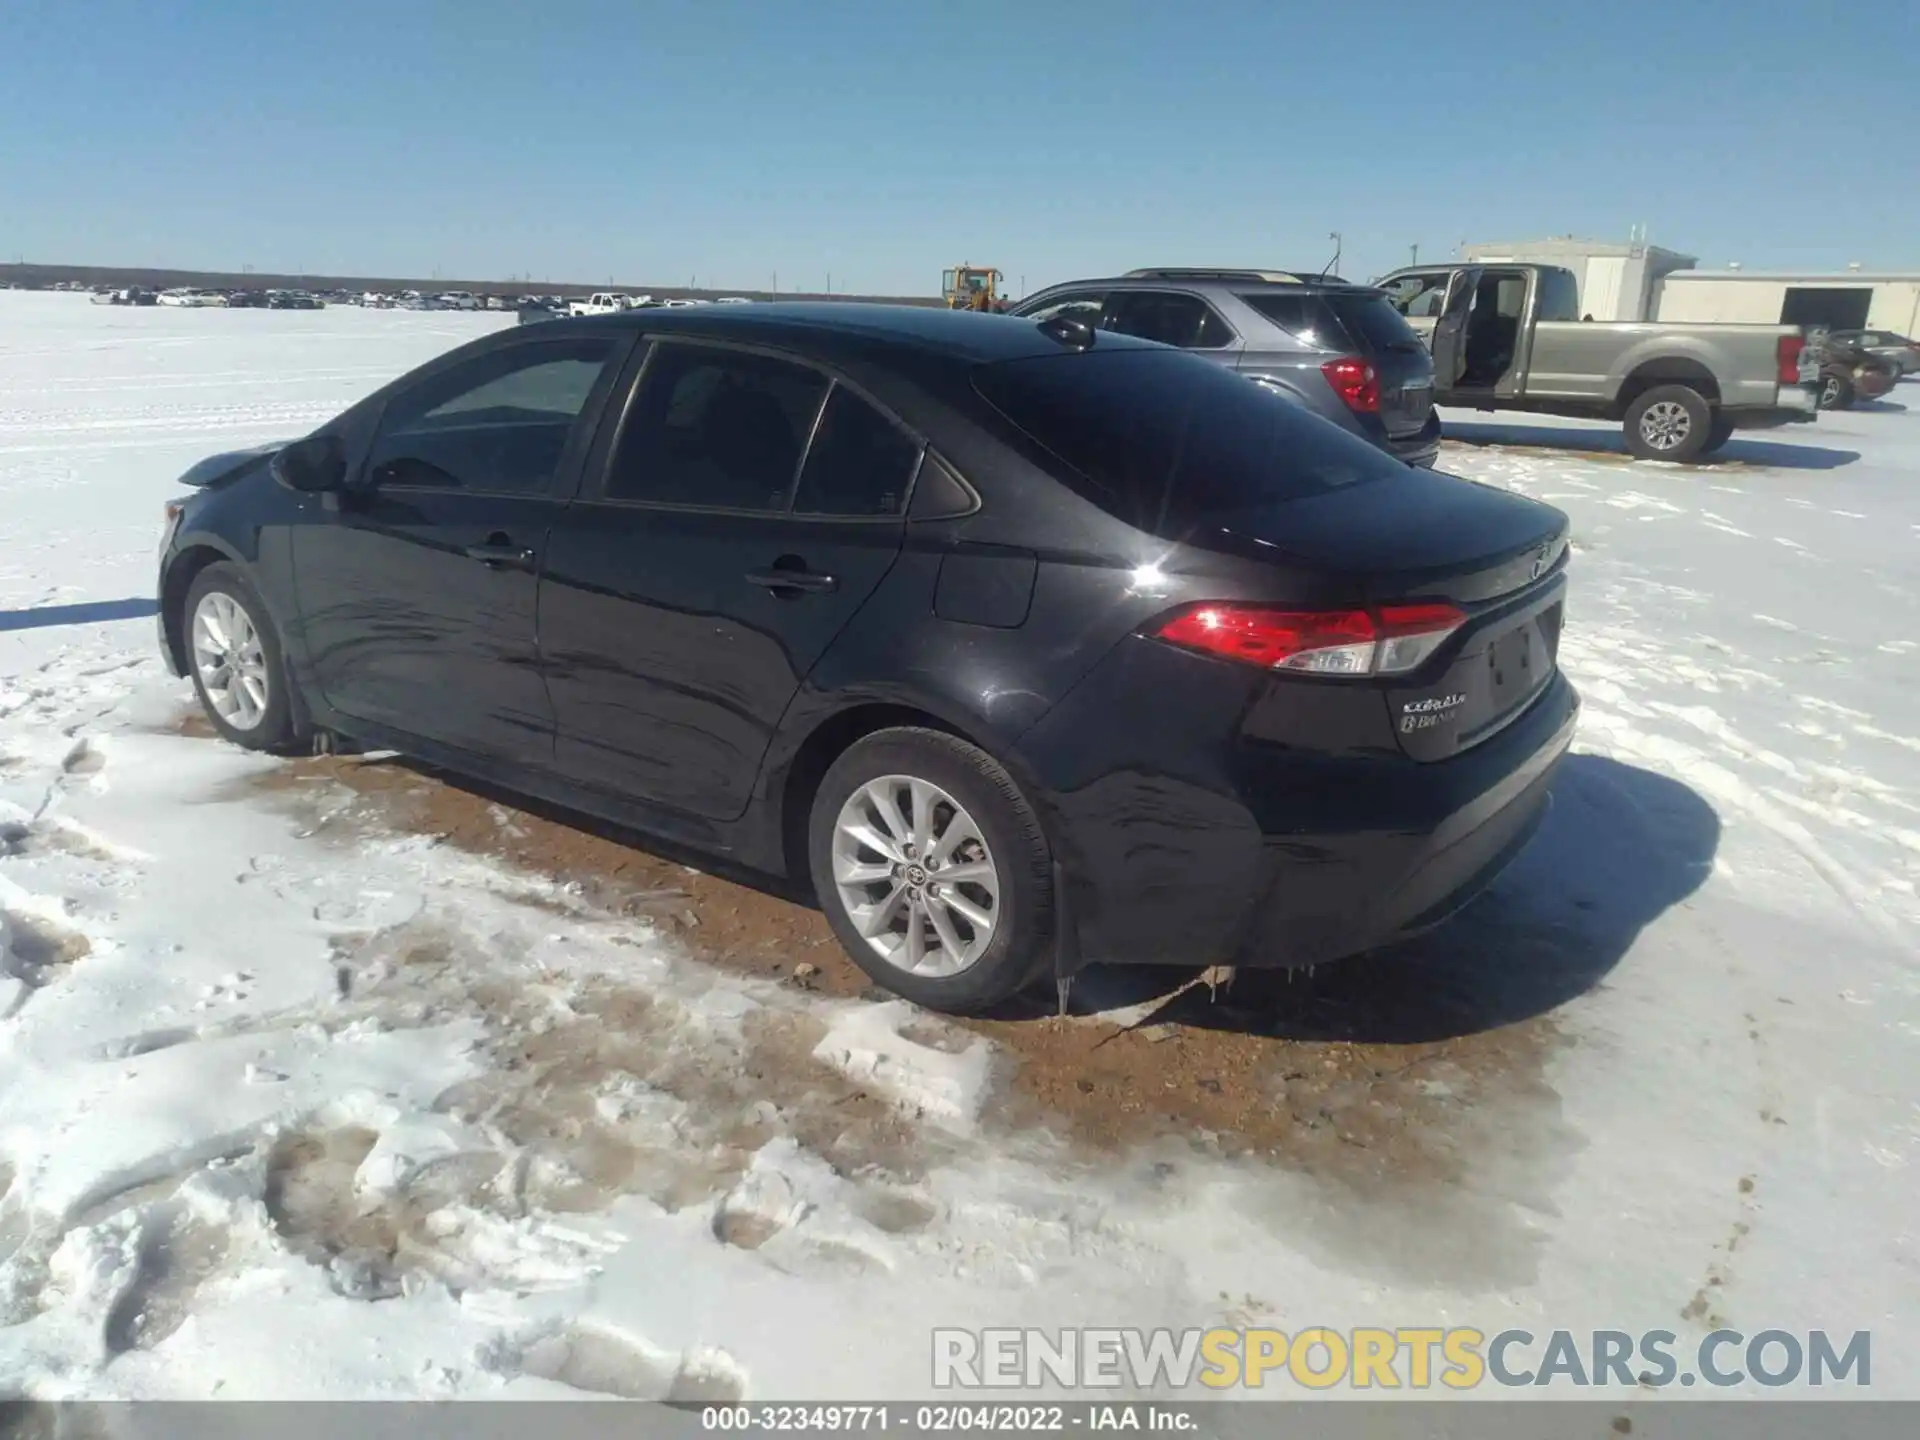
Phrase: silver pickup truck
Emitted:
{"points": [[1510, 337]]}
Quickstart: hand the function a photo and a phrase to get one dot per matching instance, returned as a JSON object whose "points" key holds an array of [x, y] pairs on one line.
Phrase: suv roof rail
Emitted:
{"points": [[1268, 277]]}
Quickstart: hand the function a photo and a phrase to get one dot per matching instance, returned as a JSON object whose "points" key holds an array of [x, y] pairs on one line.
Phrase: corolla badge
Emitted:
{"points": [[1425, 714]]}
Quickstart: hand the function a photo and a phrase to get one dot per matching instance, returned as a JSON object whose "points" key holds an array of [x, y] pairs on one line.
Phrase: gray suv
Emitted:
{"points": [[1339, 349]]}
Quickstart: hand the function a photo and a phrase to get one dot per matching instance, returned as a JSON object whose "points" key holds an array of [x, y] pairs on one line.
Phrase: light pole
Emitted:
{"points": [[1415, 249]]}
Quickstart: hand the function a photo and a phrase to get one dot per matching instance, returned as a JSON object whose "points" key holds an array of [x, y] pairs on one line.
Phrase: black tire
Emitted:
{"points": [[1718, 435], [1669, 422], [279, 728], [1020, 949], [1836, 392]]}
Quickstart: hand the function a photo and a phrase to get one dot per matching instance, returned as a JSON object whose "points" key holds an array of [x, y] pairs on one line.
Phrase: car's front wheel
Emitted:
{"points": [[234, 656], [933, 870]]}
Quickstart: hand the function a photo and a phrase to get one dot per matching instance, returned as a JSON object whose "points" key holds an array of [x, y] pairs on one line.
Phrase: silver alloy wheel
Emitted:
{"points": [[228, 658], [1665, 425], [1830, 392], [916, 877]]}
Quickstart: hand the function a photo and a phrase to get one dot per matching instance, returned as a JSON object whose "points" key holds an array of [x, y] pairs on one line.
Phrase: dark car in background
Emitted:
{"points": [[1336, 348], [1028, 644], [1901, 351], [1849, 371]]}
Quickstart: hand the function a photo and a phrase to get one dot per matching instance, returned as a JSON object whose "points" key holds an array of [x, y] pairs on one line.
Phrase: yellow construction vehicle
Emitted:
{"points": [[970, 287]]}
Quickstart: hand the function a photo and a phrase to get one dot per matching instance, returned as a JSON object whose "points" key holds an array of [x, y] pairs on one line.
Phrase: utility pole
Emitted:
{"points": [[776, 282], [1416, 254], [829, 282]]}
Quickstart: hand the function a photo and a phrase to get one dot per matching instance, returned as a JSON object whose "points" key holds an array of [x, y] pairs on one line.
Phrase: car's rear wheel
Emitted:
{"points": [[1669, 422], [1836, 393], [234, 656], [932, 869]]}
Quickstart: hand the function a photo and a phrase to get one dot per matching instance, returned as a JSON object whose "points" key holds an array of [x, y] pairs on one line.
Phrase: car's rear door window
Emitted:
{"points": [[1185, 321], [715, 428], [860, 463], [1167, 442]]}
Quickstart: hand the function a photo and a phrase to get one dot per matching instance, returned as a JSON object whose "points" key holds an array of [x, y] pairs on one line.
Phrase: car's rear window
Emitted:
{"points": [[1365, 323], [1167, 441]]}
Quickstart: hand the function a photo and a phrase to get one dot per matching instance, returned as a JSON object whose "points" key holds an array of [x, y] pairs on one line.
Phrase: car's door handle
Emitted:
{"points": [[782, 580], [500, 551]]}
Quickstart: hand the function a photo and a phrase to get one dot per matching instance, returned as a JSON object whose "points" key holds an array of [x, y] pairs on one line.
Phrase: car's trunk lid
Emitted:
{"points": [[1497, 557]]}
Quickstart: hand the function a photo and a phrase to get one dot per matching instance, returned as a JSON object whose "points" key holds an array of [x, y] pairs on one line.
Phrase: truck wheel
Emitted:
{"points": [[1669, 422], [1836, 393], [1718, 434]]}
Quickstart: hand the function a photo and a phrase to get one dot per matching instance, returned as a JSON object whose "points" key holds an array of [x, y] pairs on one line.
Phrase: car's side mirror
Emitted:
{"points": [[313, 465]]}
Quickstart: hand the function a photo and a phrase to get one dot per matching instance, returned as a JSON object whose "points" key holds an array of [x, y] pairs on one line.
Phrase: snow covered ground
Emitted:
{"points": [[295, 1105]]}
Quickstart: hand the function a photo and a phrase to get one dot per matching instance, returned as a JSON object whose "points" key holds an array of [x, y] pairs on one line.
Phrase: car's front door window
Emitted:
{"points": [[497, 425], [1422, 297], [1084, 305]]}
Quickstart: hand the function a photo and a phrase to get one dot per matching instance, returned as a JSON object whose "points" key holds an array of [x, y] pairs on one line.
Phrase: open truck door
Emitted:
{"points": [[1449, 343]]}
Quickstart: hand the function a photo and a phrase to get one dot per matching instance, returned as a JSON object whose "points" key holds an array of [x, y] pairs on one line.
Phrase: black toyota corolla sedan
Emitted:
{"points": [[1030, 645]]}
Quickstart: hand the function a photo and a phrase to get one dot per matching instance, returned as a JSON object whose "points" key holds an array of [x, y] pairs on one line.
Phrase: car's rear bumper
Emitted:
{"points": [[1795, 404], [1421, 448], [1338, 894], [1185, 851]]}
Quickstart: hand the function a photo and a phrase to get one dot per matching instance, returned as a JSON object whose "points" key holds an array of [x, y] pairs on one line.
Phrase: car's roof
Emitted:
{"points": [[1236, 282], [959, 334]]}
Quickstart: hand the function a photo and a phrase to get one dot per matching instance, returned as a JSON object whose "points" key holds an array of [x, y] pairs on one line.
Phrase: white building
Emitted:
{"points": [[1855, 300], [1637, 281], [1618, 281]]}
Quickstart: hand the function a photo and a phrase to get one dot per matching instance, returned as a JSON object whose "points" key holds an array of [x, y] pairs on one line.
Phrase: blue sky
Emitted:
{"points": [[881, 142]]}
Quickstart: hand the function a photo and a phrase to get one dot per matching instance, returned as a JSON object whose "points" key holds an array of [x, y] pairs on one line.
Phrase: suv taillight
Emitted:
{"points": [[1390, 640], [1789, 355], [1354, 381]]}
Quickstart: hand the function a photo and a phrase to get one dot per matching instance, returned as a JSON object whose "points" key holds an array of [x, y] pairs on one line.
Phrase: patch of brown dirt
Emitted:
{"points": [[1225, 1073], [1361, 1113], [38, 950]]}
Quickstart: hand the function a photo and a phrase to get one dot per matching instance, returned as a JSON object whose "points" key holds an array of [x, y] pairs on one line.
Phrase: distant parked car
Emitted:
{"points": [[733, 300], [601, 302], [1849, 372], [249, 299], [458, 300], [534, 312], [1902, 351], [1339, 350]]}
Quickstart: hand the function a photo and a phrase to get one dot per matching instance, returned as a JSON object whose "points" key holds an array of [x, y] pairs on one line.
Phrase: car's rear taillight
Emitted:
{"points": [[1789, 358], [1389, 640], [1354, 381]]}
